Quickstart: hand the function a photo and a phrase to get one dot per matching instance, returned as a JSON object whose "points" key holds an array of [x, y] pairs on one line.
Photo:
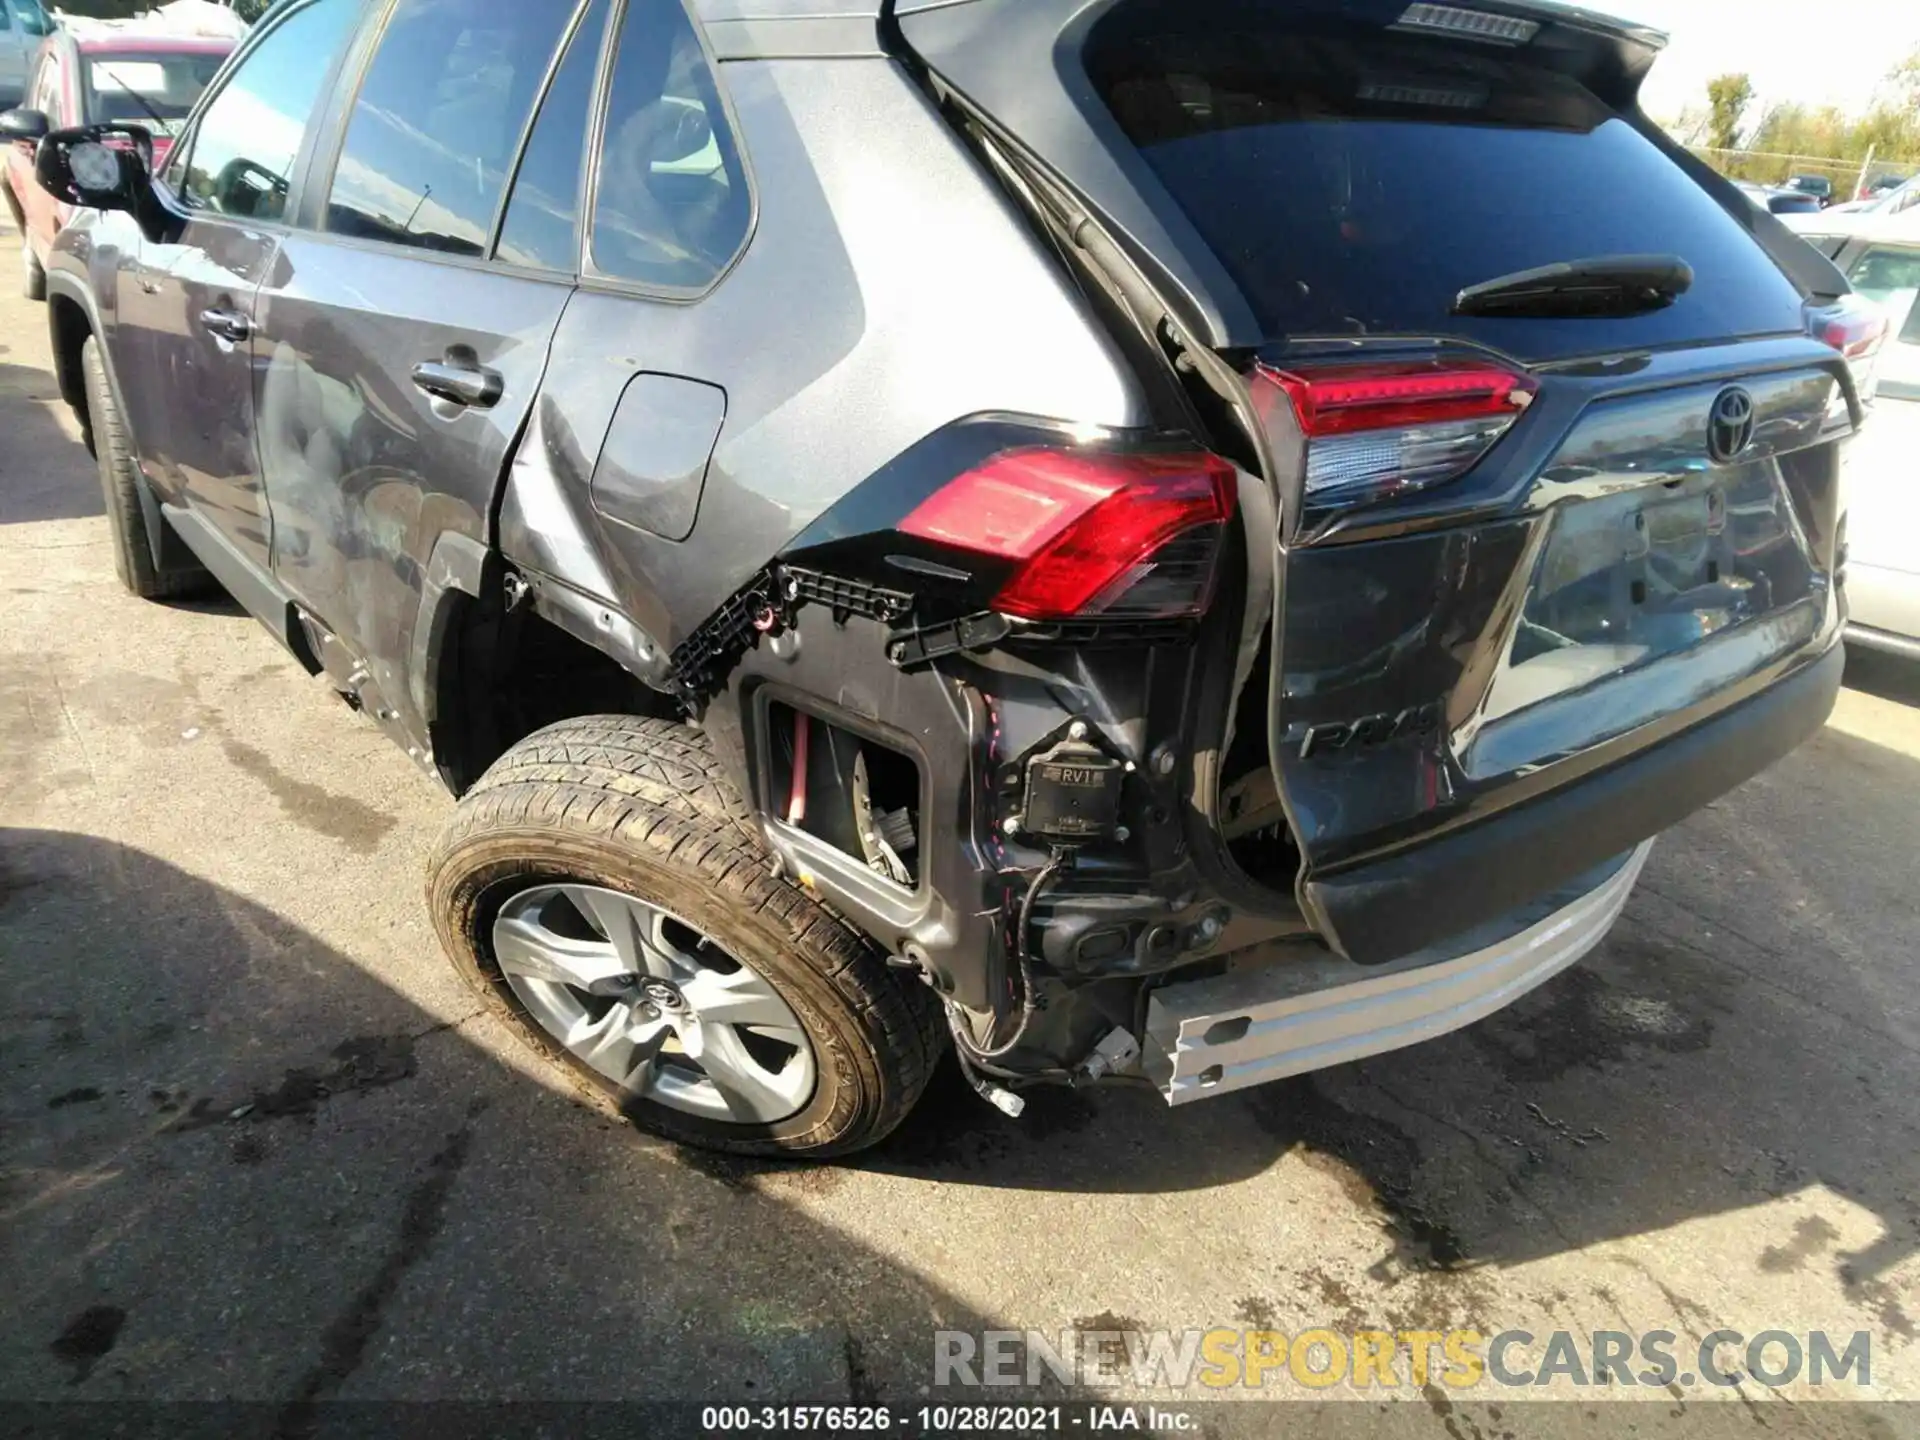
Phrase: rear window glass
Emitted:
{"points": [[672, 207], [543, 212], [1353, 180]]}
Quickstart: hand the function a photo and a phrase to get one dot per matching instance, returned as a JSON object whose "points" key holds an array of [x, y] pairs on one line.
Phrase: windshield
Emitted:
{"points": [[116, 84]]}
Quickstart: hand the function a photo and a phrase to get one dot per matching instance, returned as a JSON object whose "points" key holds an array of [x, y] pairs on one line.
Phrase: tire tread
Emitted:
{"points": [[126, 521], [650, 785]]}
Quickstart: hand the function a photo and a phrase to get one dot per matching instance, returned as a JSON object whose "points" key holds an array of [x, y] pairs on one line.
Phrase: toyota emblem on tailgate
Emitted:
{"points": [[1730, 425]]}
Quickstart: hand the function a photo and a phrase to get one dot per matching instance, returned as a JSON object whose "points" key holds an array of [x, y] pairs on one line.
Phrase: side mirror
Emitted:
{"points": [[105, 167], [75, 166], [23, 124]]}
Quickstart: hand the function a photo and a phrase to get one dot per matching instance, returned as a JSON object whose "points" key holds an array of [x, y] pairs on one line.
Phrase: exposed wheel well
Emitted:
{"points": [[67, 320], [504, 674]]}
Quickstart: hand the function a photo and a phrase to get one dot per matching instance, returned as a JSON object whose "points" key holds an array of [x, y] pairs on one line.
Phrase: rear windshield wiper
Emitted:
{"points": [[1605, 285]]}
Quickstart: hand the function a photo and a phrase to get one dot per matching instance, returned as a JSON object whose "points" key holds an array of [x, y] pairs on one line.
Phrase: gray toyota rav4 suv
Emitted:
{"points": [[1166, 541]]}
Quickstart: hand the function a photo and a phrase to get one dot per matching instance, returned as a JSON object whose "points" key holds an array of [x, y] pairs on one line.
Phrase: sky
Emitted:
{"points": [[1817, 52]]}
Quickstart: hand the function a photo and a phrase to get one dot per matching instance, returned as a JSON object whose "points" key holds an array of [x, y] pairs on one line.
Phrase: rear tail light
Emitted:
{"points": [[1379, 430], [1853, 325], [1125, 536], [1857, 328]]}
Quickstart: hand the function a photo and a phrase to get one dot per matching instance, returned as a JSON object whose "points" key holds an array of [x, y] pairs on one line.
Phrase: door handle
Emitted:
{"points": [[226, 324], [471, 385]]}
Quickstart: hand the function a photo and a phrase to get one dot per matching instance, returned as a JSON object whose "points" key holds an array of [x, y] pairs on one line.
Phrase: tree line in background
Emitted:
{"points": [[1824, 138]]}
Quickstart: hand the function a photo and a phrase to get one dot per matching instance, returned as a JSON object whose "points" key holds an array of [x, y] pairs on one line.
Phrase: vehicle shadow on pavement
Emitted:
{"points": [[235, 1165], [44, 473], [1888, 676]]}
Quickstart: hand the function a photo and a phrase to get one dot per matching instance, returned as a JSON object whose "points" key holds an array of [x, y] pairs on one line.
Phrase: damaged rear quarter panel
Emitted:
{"points": [[888, 289]]}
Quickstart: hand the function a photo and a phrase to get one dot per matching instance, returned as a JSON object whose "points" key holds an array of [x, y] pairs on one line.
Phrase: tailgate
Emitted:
{"points": [[1448, 683]]}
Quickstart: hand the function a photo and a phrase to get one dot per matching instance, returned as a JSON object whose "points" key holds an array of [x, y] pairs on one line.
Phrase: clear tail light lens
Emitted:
{"points": [[1123, 536], [1379, 430]]}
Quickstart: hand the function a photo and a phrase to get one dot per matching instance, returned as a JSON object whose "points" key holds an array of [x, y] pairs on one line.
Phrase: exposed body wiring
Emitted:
{"points": [[1023, 964], [977, 1061]]}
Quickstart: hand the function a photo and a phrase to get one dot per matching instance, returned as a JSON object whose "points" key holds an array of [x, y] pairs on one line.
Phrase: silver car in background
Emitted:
{"points": [[23, 24]]}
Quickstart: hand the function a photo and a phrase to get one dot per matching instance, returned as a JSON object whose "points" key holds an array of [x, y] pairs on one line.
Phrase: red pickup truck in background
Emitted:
{"points": [[122, 74]]}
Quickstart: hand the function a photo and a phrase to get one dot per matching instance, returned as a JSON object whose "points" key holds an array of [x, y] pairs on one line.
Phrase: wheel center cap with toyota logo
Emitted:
{"points": [[1729, 425], [663, 994]]}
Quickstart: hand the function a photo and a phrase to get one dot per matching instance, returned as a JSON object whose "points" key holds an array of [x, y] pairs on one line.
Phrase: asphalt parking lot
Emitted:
{"points": [[257, 1142]]}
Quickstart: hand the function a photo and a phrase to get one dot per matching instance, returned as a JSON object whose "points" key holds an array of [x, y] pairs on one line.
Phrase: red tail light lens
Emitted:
{"points": [[1133, 536], [1378, 430], [1853, 325], [1857, 328]]}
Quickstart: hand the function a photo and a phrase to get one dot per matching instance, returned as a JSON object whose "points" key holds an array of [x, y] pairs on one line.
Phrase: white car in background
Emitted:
{"points": [[1880, 256], [1896, 201]]}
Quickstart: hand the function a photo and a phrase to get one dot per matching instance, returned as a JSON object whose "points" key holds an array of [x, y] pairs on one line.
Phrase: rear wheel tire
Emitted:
{"points": [[126, 521], [610, 850], [33, 276]]}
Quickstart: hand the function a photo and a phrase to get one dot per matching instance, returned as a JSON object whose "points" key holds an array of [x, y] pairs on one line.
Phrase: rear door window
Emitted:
{"points": [[438, 120], [1353, 179], [672, 207], [541, 227]]}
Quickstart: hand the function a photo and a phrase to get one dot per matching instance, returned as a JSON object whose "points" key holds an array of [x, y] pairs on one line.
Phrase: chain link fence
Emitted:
{"points": [[1850, 178]]}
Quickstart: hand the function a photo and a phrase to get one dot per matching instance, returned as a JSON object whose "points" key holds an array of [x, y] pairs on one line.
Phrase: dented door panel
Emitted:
{"points": [[192, 415], [365, 469]]}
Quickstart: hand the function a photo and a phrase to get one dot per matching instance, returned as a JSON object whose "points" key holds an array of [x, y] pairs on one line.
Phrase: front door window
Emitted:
{"points": [[247, 140]]}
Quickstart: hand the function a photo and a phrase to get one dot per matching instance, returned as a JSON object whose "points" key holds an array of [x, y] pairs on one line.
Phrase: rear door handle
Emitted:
{"points": [[226, 324], [471, 385]]}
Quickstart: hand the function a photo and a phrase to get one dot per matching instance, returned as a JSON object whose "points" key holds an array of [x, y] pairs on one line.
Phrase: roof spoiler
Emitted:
{"points": [[1608, 55]]}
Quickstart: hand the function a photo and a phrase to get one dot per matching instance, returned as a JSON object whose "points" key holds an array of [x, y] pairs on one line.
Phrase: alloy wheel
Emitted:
{"points": [[646, 1000]]}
